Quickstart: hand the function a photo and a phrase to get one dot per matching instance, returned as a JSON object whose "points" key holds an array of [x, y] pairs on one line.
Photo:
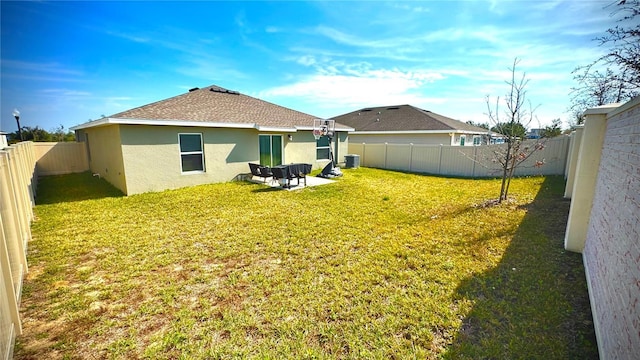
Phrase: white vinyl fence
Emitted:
{"points": [[55, 158], [464, 161], [18, 182]]}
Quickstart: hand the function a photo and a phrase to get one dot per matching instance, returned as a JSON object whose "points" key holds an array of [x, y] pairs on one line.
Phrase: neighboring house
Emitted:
{"points": [[206, 135], [404, 124], [534, 133]]}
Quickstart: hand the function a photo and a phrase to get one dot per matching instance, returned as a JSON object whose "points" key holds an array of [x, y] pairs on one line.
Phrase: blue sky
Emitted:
{"points": [[64, 63]]}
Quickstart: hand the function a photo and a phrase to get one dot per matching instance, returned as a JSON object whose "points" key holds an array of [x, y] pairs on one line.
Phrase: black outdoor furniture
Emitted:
{"points": [[291, 171], [260, 171]]}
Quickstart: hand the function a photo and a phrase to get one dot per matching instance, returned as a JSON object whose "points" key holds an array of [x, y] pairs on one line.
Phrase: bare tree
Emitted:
{"points": [[518, 114], [598, 88], [620, 78]]}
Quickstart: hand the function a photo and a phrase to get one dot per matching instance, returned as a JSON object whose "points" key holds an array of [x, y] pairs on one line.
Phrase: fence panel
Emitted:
{"points": [[375, 155], [61, 158], [398, 157], [426, 159], [467, 161], [18, 182], [457, 161]]}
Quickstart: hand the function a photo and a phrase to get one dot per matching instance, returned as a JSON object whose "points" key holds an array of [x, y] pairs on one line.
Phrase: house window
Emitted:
{"points": [[463, 138], [323, 148], [191, 152], [477, 140]]}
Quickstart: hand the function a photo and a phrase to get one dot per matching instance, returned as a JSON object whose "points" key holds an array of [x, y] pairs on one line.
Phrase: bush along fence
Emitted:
{"points": [[18, 182], [464, 161]]}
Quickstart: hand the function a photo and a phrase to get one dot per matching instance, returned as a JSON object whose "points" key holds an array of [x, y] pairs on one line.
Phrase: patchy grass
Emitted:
{"points": [[378, 265]]}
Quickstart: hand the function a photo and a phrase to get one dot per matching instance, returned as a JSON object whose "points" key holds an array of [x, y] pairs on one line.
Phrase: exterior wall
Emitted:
{"points": [[343, 147], [612, 249], [418, 139], [301, 149], [54, 158], [422, 139], [105, 154], [152, 155]]}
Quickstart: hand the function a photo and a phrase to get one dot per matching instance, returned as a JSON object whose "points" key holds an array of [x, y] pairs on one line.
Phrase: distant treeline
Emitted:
{"points": [[38, 134]]}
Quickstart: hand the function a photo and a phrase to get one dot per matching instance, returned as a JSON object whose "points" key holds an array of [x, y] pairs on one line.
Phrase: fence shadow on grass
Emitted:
{"points": [[535, 301], [73, 187]]}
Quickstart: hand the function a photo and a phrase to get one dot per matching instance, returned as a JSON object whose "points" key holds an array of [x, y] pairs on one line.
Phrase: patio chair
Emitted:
{"points": [[266, 172], [260, 171], [280, 173]]}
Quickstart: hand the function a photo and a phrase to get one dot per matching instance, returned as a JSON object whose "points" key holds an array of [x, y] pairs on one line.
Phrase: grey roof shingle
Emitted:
{"points": [[215, 104], [401, 118]]}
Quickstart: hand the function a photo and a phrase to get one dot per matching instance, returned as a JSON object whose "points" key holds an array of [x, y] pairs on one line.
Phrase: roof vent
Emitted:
{"points": [[378, 112], [223, 91], [378, 119], [194, 89], [393, 108], [363, 110]]}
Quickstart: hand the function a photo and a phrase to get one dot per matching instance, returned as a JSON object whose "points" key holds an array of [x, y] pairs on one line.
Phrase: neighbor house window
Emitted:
{"points": [[191, 152], [477, 140], [322, 148]]}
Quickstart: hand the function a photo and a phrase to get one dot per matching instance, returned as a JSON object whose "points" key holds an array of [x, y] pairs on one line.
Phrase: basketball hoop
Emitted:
{"points": [[322, 127]]}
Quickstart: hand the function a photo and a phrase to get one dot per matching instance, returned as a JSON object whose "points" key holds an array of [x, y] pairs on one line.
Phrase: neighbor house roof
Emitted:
{"points": [[402, 118], [213, 106]]}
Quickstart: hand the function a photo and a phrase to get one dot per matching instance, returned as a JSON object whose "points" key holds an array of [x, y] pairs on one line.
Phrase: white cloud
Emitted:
{"points": [[40, 67], [412, 7], [65, 92], [337, 85], [306, 60], [130, 37]]}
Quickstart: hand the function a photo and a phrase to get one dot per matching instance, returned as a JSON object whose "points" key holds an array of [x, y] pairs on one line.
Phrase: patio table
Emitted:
{"points": [[291, 171]]}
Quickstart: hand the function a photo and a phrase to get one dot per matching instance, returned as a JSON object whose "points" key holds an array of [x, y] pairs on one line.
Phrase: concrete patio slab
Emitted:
{"points": [[311, 181]]}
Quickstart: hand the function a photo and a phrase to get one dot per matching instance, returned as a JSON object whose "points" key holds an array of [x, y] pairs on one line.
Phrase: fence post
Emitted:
{"points": [[410, 157], [385, 154], [475, 159], [362, 160], [440, 161]]}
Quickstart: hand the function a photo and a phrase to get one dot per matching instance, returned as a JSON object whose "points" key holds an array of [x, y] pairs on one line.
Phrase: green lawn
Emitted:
{"points": [[378, 265]]}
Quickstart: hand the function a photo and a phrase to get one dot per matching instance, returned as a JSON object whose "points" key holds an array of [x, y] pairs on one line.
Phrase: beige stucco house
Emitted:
{"points": [[206, 135], [406, 124]]}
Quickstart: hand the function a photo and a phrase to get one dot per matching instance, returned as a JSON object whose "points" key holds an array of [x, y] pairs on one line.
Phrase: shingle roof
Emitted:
{"points": [[401, 118], [213, 104]]}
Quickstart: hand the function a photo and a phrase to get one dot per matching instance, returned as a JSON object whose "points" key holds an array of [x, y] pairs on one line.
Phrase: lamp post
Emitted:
{"points": [[16, 114]]}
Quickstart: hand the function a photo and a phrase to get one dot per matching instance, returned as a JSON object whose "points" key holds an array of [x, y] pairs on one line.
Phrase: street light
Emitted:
{"points": [[16, 114]]}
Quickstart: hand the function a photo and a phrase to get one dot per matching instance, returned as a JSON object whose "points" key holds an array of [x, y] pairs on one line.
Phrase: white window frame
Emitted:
{"points": [[463, 140], [201, 152], [477, 140]]}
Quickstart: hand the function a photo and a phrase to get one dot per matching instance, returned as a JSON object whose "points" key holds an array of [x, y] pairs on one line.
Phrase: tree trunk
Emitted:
{"points": [[505, 173]]}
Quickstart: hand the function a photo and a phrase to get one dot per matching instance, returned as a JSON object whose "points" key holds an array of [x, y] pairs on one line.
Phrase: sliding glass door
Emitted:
{"points": [[270, 150]]}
